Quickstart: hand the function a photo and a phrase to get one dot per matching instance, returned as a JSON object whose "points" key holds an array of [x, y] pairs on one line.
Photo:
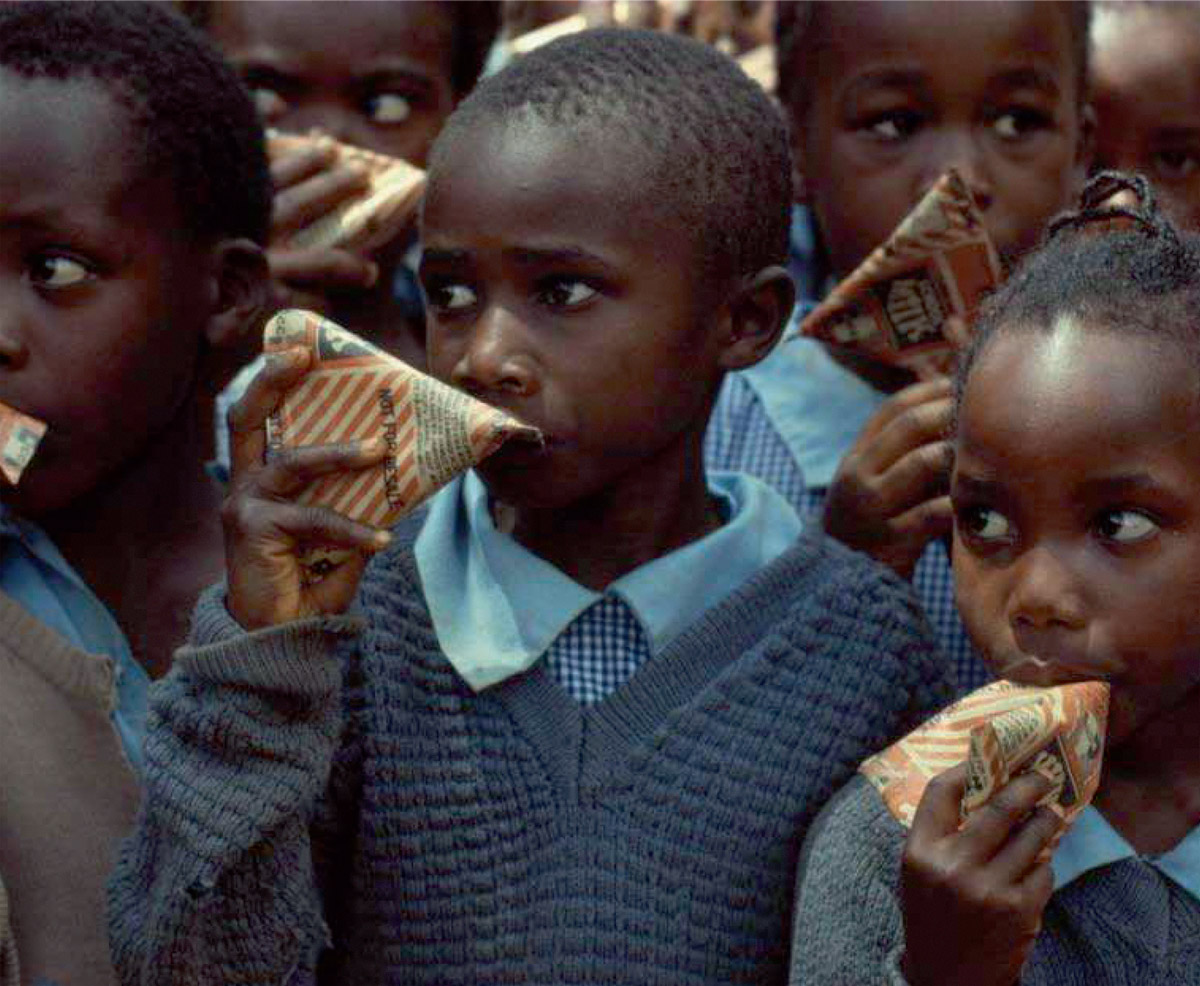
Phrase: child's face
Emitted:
{"points": [[1146, 89], [1076, 495], [378, 75], [557, 291], [100, 306], [906, 90]]}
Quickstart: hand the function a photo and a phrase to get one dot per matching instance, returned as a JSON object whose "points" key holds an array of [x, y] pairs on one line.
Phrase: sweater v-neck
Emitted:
{"points": [[589, 751]]}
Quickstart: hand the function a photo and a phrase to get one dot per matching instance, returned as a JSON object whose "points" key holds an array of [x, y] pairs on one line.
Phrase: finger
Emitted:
{"points": [[273, 530], [921, 424], [1023, 850], [991, 825], [925, 521], [903, 401], [248, 416], [289, 169], [918, 476], [1038, 883], [322, 268], [288, 471], [296, 207], [939, 812]]}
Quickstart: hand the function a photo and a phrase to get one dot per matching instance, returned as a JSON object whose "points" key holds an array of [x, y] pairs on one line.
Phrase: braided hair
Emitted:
{"points": [[1113, 266]]}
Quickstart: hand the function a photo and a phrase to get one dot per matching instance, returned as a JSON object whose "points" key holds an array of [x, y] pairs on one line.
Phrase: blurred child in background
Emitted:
{"points": [[882, 99], [1146, 89]]}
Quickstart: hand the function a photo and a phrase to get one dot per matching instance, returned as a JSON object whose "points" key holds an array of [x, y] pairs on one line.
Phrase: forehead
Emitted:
{"points": [[321, 35], [959, 44], [1080, 396], [68, 148], [1149, 54], [526, 179]]}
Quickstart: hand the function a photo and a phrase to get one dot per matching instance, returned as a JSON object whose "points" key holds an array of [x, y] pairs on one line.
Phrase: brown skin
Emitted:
{"points": [[1077, 556], [1146, 88], [112, 323], [902, 92], [545, 300], [385, 85]]}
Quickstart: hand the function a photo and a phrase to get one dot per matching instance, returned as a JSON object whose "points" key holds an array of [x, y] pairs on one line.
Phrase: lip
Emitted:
{"points": [[1048, 671]]}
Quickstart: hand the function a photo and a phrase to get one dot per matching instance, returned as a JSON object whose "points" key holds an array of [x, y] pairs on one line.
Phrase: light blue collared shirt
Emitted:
{"points": [[34, 573], [497, 607], [1092, 843]]}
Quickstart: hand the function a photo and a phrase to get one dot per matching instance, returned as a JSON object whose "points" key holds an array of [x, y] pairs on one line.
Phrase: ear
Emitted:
{"points": [[757, 312], [240, 291], [1085, 150]]}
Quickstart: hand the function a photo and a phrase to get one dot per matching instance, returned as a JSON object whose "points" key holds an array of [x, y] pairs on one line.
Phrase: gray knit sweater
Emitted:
{"points": [[1122, 925], [328, 800]]}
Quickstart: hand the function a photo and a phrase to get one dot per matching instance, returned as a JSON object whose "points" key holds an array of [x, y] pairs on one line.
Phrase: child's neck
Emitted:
{"points": [[1150, 788], [642, 517], [148, 538]]}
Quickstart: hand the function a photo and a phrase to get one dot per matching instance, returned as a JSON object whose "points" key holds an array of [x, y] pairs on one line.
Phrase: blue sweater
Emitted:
{"points": [[329, 801]]}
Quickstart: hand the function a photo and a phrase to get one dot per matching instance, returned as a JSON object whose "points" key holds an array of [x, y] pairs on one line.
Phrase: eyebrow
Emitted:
{"points": [[1028, 77], [524, 256], [1121, 484]]}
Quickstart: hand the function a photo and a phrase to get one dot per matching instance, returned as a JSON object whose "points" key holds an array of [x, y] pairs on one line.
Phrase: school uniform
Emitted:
{"points": [[1115, 919], [489, 774], [791, 419]]}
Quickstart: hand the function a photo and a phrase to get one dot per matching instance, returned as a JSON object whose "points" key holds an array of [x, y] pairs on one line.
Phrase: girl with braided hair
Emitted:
{"points": [[1076, 493]]}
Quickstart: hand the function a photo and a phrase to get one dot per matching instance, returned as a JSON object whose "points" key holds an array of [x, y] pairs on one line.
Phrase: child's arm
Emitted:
{"points": [[888, 498], [249, 752], [973, 898], [306, 188], [864, 884]]}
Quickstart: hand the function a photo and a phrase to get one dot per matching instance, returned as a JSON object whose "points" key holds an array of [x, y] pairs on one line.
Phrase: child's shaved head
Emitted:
{"points": [[192, 119], [714, 146]]}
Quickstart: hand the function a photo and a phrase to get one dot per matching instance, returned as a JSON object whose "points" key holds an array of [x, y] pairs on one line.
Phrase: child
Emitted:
{"points": [[1076, 496], [576, 727], [133, 195], [387, 82], [882, 99], [1146, 88]]}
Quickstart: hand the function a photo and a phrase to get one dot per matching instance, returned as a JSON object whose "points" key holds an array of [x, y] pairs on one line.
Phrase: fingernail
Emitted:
{"points": [[375, 446], [372, 274], [285, 358], [383, 538]]}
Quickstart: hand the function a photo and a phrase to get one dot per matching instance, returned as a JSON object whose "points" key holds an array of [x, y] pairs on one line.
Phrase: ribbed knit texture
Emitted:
{"points": [[510, 836], [1122, 925]]}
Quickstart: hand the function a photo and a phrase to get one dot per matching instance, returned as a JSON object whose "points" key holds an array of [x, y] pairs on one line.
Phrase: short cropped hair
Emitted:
{"points": [[714, 144], [1115, 268], [798, 40], [191, 116]]}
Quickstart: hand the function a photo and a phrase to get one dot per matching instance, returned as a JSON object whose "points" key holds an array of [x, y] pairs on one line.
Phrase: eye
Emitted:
{"points": [[270, 105], [452, 297], [566, 293], [1017, 122], [389, 108], [57, 271], [893, 126], [1126, 526], [984, 524], [1175, 164]]}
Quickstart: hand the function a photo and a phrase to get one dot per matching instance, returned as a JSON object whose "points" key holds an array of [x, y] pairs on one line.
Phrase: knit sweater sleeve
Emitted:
{"points": [[246, 753], [848, 929]]}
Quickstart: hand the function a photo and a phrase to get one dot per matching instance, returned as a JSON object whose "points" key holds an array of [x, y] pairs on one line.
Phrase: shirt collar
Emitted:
{"points": [[1092, 843], [497, 607]]}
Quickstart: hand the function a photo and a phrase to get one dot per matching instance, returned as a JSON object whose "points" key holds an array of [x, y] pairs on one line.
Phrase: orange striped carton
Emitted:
{"points": [[382, 213], [354, 392], [897, 306], [19, 438], [1001, 730]]}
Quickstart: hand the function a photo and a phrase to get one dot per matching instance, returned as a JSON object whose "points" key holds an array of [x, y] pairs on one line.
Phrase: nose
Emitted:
{"points": [[1045, 597], [962, 149], [330, 118], [495, 359]]}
